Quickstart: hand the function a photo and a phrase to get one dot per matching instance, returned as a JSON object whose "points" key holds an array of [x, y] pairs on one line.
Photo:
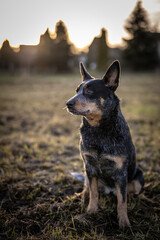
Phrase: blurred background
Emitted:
{"points": [[33, 37], [41, 45]]}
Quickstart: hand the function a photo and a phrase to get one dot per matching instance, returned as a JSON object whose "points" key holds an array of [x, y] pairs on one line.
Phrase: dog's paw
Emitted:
{"points": [[92, 209], [124, 222]]}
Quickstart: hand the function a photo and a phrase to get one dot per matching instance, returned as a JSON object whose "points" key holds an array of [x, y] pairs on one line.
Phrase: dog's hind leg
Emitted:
{"points": [[136, 185]]}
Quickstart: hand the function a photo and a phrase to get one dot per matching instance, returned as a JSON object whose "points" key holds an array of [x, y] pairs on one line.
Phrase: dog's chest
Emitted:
{"points": [[101, 156], [103, 166], [102, 161]]}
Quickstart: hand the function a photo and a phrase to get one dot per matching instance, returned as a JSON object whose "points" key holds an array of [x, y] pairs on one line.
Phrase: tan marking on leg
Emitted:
{"points": [[93, 194], [134, 187], [122, 209], [119, 160]]}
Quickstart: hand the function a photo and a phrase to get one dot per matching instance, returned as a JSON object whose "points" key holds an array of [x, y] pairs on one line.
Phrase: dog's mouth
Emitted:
{"points": [[75, 112]]}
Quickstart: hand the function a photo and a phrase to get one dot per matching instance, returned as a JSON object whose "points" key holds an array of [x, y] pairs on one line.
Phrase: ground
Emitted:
{"points": [[39, 149]]}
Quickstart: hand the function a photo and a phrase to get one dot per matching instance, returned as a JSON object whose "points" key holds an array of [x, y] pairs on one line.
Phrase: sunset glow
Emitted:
{"points": [[22, 22]]}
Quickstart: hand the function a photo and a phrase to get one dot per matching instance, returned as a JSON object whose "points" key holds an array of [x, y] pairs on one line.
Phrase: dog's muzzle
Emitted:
{"points": [[72, 108], [70, 105]]}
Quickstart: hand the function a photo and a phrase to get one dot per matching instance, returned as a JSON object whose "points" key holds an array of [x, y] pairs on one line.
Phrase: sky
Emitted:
{"points": [[22, 22]]}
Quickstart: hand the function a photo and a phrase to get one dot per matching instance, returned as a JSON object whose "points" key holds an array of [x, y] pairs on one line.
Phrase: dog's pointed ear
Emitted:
{"points": [[112, 75], [84, 73]]}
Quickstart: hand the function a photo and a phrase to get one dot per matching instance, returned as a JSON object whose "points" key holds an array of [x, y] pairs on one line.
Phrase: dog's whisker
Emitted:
{"points": [[64, 108]]}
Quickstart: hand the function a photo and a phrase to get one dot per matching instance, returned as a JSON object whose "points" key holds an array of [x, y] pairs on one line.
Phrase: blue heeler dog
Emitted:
{"points": [[105, 145]]}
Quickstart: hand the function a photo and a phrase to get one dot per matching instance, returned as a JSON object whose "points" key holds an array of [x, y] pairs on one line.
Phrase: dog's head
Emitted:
{"points": [[95, 96]]}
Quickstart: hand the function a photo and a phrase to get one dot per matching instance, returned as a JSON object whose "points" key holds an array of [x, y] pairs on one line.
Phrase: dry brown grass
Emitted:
{"points": [[39, 148]]}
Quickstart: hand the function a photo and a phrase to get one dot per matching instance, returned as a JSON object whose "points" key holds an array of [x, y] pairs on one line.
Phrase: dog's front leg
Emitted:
{"points": [[121, 190], [85, 191], [93, 195]]}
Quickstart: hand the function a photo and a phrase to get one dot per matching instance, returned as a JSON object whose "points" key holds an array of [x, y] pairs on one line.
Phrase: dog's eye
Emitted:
{"points": [[88, 91]]}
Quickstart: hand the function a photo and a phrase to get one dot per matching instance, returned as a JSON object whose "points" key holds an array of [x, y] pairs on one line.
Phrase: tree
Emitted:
{"points": [[7, 57], [63, 47], [102, 59], [45, 55], [61, 31], [54, 54], [141, 48], [98, 51]]}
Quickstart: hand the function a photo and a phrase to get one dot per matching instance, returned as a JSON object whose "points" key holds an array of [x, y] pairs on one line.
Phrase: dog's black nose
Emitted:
{"points": [[70, 103]]}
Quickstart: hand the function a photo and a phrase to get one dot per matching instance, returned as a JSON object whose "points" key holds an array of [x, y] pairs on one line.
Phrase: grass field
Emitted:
{"points": [[39, 149]]}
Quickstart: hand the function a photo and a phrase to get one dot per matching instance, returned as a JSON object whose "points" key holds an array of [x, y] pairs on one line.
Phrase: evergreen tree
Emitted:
{"points": [[7, 57], [141, 48], [61, 31], [63, 48], [98, 51], [102, 58]]}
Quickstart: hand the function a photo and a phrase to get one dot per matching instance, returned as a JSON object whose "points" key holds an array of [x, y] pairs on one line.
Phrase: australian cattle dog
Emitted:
{"points": [[105, 141]]}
